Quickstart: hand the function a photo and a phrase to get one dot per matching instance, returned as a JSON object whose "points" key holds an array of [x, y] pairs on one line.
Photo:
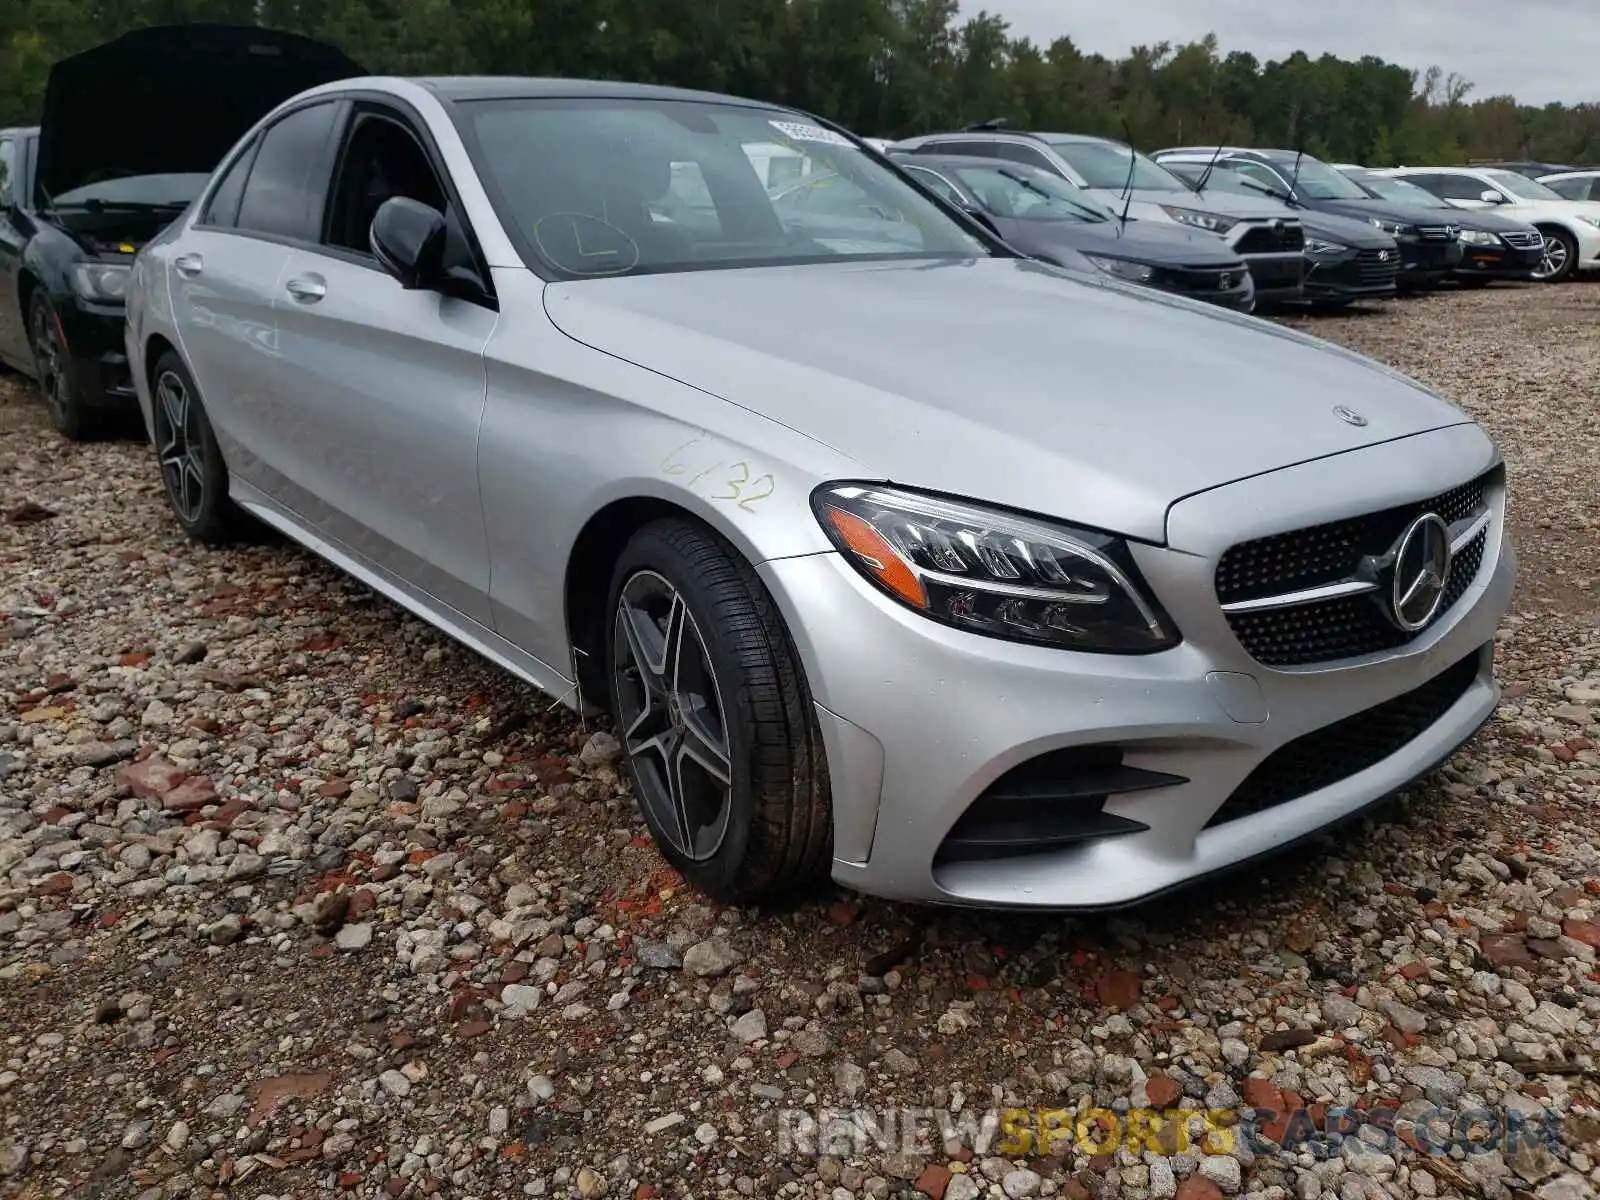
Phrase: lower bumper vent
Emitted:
{"points": [[1055, 800]]}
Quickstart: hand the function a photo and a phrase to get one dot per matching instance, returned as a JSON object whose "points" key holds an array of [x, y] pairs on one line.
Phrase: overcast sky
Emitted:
{"points": [[1536, 50]]}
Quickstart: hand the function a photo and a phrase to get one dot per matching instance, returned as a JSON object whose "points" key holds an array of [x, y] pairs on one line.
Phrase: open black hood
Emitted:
{"points": [[170, 99]]}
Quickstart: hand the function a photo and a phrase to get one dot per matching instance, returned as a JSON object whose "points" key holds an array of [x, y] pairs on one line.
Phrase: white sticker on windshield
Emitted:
{"points": [[802, 132]]}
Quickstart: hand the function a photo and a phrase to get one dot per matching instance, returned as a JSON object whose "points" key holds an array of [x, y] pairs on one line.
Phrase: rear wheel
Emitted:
{"points": [[192, 470], [715, 718], [1560, 256], [53, 366]]}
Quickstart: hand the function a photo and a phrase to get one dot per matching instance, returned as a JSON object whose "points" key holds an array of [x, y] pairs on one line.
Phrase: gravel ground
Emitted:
{"points": [[297, 898]]}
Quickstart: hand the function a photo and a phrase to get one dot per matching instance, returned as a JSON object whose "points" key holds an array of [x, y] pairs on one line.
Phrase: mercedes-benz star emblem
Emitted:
{"points": [[1349, 415], [1421, 570]]}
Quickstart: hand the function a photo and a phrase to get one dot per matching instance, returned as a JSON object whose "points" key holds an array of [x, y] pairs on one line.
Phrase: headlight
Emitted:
{"points": [[1393, 228], [105, 282], [1318, 246], [1200, 219], [1123, 269], [1594, 221], [1479, 237], [993, 572]]}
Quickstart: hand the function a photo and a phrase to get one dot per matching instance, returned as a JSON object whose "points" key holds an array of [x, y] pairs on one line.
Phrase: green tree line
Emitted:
{"points": [[884, 67]]}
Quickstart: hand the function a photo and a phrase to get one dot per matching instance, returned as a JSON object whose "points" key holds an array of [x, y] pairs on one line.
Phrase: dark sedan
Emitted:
{"points": [[1043, 216], [1430, 244], [1492, 246], [130, 133]]}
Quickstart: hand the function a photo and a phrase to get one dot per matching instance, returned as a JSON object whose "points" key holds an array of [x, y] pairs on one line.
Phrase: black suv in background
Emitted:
{"points": [[1430, 244]]}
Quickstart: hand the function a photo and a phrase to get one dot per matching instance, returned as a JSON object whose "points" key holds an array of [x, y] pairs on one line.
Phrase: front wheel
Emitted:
{"points": [[1560, 256], [63, 399], [715, 717]]}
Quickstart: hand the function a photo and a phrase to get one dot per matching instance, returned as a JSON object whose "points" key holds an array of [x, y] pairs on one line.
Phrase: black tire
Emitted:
{"points": [[63, 399], [777, 830], [190, 461], [1569, 246]]}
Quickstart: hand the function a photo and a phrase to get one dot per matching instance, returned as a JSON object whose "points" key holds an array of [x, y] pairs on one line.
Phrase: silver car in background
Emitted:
{"points": [[892, 555]]}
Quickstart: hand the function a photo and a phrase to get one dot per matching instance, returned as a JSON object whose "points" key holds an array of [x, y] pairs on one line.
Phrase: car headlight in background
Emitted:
{"points": [[1320, 247], [992, 572], [1393, 228], [1479, 237], [1200, 219], [104, 282], [1123, 269]]}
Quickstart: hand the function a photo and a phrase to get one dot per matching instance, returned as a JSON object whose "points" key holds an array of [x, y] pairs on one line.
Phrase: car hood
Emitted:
{"points": [[170, 99], [1010, 381], [1142, 241], [1488, 222], [1229, 204], [1351, 231], [1387, 210]]}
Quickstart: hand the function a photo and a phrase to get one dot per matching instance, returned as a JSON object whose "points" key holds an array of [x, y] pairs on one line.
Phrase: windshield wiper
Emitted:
{"points": [[98, 206], [1088, 213]]}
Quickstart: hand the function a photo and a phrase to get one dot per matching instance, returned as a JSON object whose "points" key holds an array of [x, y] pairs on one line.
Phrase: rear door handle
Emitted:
{"points": [[307, 289], [188, 265]]}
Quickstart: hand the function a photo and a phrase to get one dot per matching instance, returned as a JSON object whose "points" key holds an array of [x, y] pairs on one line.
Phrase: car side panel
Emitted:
{"points": [[568, 430], [373, 419], [226, 334]]}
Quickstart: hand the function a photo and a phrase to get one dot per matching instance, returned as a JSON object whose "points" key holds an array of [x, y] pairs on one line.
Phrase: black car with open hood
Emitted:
{"points": [[1041, 215], [130, 133]]}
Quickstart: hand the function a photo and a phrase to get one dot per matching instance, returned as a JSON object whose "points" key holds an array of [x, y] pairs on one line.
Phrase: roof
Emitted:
{"points": [[511, 87]]}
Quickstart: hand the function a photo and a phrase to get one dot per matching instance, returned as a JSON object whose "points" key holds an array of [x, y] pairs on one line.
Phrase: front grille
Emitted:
{"points": [[1371, 271], [1278, 272], [1324, 756], [1262, 239], [1435, 233], [1531, 240], [1350, 626]]}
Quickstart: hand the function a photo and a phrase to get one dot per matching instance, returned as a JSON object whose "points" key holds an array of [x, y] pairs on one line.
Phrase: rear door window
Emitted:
{"points": [[289, 178]]}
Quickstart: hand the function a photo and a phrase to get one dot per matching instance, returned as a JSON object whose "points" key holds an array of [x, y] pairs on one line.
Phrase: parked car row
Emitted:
{"points": [[892, 551], [1308, 232]]}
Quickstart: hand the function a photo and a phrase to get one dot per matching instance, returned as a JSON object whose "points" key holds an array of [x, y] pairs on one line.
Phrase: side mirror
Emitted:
{"points": [[408, 240], [1490, 196]]}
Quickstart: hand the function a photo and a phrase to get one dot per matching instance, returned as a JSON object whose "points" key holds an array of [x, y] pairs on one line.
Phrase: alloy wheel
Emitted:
{"points": [[672, 718], [50, 359], [181, 446], [1554, 260]]}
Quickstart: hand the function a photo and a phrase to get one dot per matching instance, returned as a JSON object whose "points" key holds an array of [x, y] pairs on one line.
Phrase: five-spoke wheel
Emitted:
{"points": [[671, 715], [192, 470], [1560, 256], [715, 718]]}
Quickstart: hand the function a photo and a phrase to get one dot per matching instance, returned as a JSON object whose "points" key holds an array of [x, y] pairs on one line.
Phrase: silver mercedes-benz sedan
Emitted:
{"points": [[891, 554]]}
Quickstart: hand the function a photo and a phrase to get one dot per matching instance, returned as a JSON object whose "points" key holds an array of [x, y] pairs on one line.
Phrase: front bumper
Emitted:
{"points": [[1351, 275], [1278, 277], [1498, 262], [1427, 260], [97, 351], [1230, 289], [918, 720]]}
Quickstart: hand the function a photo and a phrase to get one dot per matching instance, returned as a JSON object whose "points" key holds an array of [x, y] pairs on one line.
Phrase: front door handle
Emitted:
{"points": [[188, 265], [307, 289]]}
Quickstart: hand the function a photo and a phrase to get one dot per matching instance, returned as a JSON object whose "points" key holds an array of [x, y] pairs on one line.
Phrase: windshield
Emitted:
{"points": [[1105, 165], [1227, 179], [1320, 181], [1398, 190], [1028, 194], [620, 186], [1521, 186], [142, 191]]}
